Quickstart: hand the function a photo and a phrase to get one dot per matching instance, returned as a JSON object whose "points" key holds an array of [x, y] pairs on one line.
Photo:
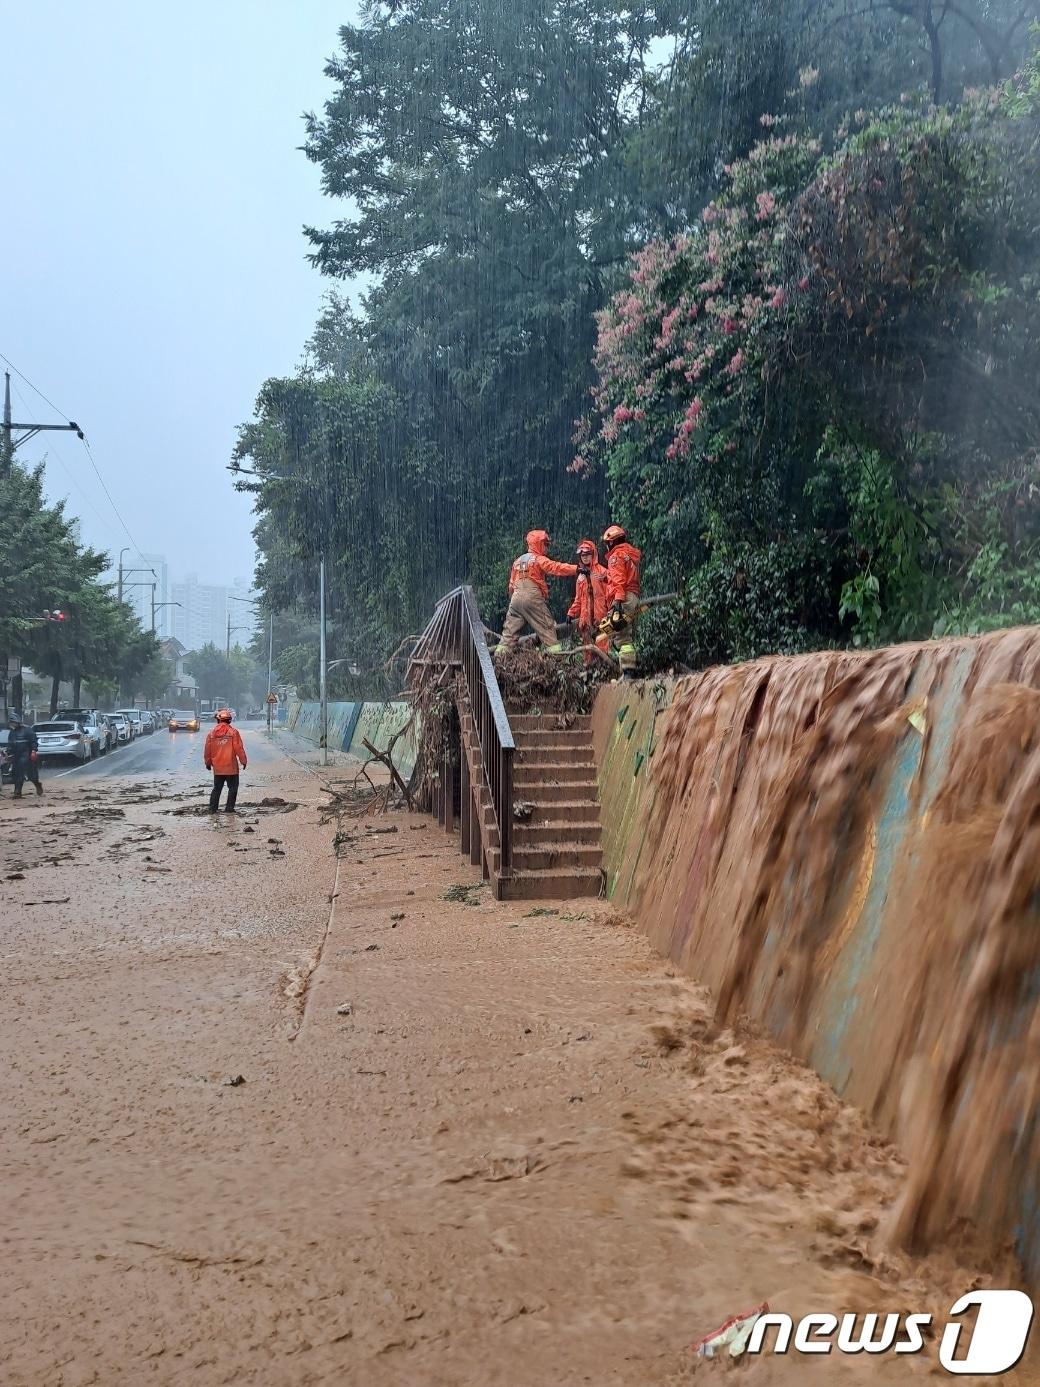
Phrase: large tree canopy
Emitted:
{"points": [[497, 166]]}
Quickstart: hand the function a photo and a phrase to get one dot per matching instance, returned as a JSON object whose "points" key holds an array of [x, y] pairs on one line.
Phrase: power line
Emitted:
{"points": [[61, 462], [86, 445], [29, 383]]}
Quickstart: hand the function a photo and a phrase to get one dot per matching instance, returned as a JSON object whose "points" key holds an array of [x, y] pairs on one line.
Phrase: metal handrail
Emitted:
{"points": [[456, 635]]}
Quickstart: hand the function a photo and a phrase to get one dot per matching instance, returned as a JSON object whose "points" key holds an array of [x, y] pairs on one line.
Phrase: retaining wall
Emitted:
{"points": [[351, 723], [846, 847]]}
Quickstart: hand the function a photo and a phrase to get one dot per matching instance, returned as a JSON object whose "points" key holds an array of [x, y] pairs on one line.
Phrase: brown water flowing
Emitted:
{"points": [[846, 848]]}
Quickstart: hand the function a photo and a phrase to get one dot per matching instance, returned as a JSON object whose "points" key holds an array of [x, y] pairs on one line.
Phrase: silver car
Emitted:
{"points": [[63, 739]]}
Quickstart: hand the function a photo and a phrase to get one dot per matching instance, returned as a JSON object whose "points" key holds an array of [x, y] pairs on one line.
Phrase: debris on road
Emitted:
{"points": [[345, 1009], [733, 1334], [232, 1080]]}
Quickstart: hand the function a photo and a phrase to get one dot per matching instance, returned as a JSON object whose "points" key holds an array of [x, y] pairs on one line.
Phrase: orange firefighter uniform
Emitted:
{"points": [[623, 560], [590, 603], [224, 753], [529, 593]]}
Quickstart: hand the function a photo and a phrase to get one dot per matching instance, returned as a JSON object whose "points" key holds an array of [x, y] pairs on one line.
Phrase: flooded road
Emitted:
{"points": [[278, 1117]]}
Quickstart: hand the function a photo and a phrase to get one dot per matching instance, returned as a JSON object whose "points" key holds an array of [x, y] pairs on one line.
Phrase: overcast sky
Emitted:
{"points": [[153, 262]]}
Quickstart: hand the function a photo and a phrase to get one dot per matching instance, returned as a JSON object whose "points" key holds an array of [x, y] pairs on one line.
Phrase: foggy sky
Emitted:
{"points": [[153, 263]]}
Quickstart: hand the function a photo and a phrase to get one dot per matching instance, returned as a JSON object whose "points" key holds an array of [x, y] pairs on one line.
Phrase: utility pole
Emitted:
{"points": [[270, 673], [119, 585], [10, 443], [153, 609], [8, 446], [227, 646], [324, 718]]}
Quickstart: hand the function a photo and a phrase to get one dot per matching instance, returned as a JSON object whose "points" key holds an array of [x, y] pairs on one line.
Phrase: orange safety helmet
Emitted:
{"points": [[224, 715], [587, 546], [612, 535]]}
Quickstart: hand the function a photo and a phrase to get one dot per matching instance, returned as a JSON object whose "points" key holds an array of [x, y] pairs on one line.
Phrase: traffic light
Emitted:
{"points": [[56, 615]]}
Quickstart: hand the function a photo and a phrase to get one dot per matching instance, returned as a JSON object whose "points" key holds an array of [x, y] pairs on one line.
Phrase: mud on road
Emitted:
{"points": [[276, 1115]]}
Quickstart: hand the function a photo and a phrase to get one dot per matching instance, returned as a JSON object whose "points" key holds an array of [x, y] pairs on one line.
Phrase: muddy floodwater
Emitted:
{"points": [[278, 1116]]}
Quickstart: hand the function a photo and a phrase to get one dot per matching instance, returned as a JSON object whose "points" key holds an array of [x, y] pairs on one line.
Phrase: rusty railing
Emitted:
{"points": [[455, 637]]}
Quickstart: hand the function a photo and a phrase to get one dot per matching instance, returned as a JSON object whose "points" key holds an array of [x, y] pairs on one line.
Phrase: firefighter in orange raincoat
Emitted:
{"points": [[224, 753], [529, 593], [590, 598], [619, 626]]}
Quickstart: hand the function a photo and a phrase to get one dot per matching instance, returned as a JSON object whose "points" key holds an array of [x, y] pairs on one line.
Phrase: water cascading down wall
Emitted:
{"points": [[846, 848]]}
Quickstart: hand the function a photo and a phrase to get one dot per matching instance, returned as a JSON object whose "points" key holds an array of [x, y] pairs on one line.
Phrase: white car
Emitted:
{"points": [[122, 727], [64, 738], [147, 722], [133, 717]]}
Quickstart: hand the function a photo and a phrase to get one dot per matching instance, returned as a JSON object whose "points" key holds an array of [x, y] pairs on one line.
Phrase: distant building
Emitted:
{"points": [[184, 690], [204, 613], [137, 591]]}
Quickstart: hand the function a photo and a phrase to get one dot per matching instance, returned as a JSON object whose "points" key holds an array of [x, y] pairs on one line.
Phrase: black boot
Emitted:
{"points": [[39, 787], [17, 792]]}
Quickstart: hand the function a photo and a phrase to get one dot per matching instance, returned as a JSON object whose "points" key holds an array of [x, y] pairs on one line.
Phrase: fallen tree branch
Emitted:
{"points": [[384, 757]]}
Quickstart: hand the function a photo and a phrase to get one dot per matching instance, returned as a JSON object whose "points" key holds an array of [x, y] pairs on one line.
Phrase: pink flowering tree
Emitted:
{"points": [[789, 397]]}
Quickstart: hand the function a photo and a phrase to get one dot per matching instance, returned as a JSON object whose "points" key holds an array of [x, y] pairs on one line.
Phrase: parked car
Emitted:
{"points": [[147, 722], [5, 760], [183, 720], [95, 724], [123, 728], [133, 717], [64, 737]]}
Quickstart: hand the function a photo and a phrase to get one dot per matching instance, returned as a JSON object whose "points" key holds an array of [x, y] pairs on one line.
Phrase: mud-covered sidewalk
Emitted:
{"points": [[276, 1116]]}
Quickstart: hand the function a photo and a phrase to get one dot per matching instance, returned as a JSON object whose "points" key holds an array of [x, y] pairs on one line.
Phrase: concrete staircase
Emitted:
{"points": [[556, 849]]}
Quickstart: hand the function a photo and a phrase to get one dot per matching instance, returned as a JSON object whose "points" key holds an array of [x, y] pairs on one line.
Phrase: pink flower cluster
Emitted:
{"points": [[680, 445], [766, 204]]}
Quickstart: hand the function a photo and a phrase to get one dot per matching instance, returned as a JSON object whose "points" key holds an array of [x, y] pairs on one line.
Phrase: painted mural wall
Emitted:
{"points": [[846, 848], [351, 723]]}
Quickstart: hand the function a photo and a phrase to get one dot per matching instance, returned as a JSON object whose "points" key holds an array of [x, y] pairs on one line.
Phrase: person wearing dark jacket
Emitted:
{"points": [[24, 751]]}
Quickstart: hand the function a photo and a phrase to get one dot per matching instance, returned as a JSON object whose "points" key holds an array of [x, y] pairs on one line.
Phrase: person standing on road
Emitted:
{"points": [[24, 751], [224, 754]]}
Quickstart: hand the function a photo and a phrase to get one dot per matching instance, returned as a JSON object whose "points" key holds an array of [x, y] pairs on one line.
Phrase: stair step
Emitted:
{"points": [[545, 741], [550, 722], [559, 857], [540, 792], [575, 831], [561, 811], [553, 884], [541, 758], [532, 776], [564, 858]]}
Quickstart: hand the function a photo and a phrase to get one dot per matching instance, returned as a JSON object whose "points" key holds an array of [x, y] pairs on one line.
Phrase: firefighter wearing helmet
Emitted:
{"points": [[619, 625], [224, 755], [529, 593], [590, 605]]}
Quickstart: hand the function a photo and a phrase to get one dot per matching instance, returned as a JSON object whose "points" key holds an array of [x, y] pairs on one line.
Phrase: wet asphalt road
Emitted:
{"points": [[161, 752]]}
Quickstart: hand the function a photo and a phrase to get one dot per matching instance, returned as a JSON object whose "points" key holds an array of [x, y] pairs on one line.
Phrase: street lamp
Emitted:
{"points": [[323, 692], [251, 602]]}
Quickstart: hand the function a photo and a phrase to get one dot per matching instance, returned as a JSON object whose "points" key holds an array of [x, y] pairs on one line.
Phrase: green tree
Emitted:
{"points": [[211, 669], [821, 407]]}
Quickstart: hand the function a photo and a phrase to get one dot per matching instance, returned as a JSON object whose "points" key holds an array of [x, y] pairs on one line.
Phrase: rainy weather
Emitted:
{"points": [[520, 664]]}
